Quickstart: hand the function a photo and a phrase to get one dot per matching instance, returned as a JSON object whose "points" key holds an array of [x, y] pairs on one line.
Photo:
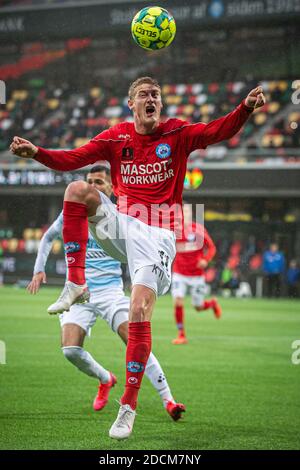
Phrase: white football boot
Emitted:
{"points": [[122, 427], [71, 294]]}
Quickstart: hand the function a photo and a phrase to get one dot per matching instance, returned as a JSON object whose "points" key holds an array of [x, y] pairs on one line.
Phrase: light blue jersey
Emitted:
{"points": [[101, 271]]}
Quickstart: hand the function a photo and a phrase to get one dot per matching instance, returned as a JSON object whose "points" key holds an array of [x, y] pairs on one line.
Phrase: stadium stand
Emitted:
{"points": [[61, 93]]}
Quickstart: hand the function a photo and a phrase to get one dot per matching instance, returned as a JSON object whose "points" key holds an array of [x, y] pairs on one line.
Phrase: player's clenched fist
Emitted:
{"points": [[23, 148], [255, 98]]}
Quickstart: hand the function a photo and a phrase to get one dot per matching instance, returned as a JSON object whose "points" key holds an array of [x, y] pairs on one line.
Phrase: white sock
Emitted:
{"points": [[85, 362], [157, 377]]}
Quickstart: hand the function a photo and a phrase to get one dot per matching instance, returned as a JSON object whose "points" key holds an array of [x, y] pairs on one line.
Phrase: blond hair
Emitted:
{"points": [[141, 81]]}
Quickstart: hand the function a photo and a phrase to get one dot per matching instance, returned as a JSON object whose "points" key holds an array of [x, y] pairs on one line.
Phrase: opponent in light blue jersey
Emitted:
{"points": [[107, 301], [102, 271]]}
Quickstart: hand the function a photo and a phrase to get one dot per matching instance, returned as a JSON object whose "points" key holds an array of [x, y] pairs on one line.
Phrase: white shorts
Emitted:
{"points": [[148, 250], [195, 284], [110, 304]]}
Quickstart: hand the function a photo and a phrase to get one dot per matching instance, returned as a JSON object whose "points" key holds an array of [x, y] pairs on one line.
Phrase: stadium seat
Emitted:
{"points": [[210, 275], [255, 262], [233, 262]]}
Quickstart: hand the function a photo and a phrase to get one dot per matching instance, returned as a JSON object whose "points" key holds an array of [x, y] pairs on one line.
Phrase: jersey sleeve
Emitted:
{"points": [[53, 232], [209, 248], [201, 135], [66, 160]]}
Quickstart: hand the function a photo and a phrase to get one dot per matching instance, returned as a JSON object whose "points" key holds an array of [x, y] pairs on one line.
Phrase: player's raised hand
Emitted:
{"points": [[36, 281], [255, 98], [23, 148]]}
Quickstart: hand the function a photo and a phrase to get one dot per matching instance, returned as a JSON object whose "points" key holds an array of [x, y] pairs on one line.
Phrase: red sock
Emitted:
{"points": [[137, 353], [179, 314], [208, 304], [75, 235]]}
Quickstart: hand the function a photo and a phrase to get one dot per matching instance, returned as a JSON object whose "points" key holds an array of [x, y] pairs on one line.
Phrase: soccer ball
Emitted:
{"points": [[153, 28]]}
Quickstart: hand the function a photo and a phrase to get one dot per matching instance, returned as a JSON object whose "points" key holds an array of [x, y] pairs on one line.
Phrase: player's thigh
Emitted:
{"points": [[150, 253], [77, 323], [178, 286], [106, 228], [112, 306], [198, 291], [72, 335]]}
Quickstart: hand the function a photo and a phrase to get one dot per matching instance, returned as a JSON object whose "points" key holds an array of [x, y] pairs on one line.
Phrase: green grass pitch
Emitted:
{"points": [[235, 377]]}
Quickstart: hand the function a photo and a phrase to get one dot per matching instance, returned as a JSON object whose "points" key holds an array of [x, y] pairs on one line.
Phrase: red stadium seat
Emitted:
{"points": [[21, 246], [235, 248], [255, 262], [233, 262], [210, 275]]}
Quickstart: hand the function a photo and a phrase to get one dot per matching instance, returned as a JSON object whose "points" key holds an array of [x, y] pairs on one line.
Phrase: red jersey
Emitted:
{"points": [[148, 170], [194, 245]]}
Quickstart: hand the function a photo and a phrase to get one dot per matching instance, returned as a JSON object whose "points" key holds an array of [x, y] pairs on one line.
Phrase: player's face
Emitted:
{"points": [[101, 181], [146, 106]]}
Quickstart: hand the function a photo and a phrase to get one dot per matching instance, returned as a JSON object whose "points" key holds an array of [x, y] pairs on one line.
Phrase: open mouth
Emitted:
{"points": [[150, 110]]}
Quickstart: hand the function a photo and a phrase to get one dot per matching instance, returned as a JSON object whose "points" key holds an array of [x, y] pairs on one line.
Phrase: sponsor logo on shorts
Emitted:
{"points": [[161, 378], [164, 258], [133, 366], [132, 380], [163, 150], [158, 272], [72, 247], [70, 260]]}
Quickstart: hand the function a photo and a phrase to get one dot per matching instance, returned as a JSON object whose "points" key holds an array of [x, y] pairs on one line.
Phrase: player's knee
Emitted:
{"points": [[71, 353], [77, 191], [198, 308], [138, 310], [178, 302]]}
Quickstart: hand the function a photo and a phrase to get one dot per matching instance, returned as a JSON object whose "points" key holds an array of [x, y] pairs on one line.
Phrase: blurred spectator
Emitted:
{"points": [[273, 267], [234, 281], [292, 279], [230, 279], [226, 277]]}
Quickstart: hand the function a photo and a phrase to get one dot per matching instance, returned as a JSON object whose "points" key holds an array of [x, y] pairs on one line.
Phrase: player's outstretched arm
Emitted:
{"points": [[99, 148], [201, 135], [39, 275], [23, 148]]}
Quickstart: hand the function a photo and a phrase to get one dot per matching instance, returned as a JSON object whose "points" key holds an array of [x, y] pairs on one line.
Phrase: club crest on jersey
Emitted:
{"points": [[133, 366], [163, 150], [72, 247]]}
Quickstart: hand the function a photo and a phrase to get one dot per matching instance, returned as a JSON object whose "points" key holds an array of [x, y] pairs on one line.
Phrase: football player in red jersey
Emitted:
{"points": [[148, 161], [194, 250]]}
